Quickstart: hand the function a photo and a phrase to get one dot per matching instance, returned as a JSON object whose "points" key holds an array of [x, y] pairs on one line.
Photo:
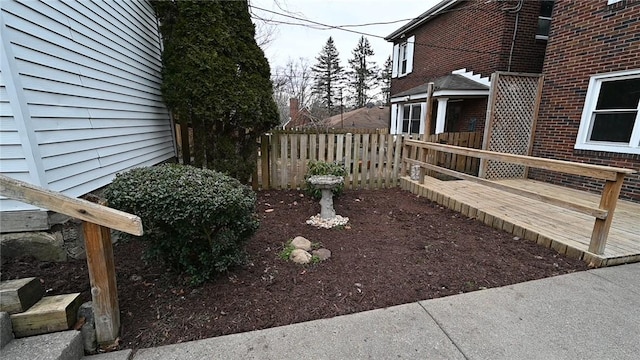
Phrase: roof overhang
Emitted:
{"points": [[441, 94], [423, 18]]}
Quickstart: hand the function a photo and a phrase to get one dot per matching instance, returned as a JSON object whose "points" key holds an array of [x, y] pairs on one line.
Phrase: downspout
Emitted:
{"points": [[515, 9]]}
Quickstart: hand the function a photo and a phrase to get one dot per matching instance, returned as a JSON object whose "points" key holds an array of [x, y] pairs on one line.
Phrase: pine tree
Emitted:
{"points": [[328, 76], [217, 79], [363, 73], [385, 77]]}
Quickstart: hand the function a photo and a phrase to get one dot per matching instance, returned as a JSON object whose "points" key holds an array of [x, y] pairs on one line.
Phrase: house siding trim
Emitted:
{"points": [[20, 111]]}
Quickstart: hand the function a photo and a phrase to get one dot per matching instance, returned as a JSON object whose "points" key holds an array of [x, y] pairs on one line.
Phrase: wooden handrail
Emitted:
{"points": [[614, 177], [98, 220], [77, 208], [589, 210], [590, 170]]}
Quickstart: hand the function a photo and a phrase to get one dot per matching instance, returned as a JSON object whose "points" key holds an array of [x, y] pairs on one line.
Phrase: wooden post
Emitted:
{"points": [[102, 276], [428, 112], [264, 161], [608, 202]]}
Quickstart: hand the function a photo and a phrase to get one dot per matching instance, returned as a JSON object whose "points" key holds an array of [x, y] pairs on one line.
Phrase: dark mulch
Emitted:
{"points": [[398, 248]]}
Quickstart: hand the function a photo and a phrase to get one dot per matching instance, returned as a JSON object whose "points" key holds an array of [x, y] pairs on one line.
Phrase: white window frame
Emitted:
{"points": [[588, 112], [401, 118], [403, 52]]}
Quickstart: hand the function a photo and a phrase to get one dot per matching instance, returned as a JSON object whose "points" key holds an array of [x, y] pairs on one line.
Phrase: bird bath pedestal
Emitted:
{"points": [[327, 217], [326, 183]]}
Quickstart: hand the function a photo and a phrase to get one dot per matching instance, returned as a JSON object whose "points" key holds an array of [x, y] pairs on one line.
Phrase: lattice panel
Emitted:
{"points": [[511, 124]]}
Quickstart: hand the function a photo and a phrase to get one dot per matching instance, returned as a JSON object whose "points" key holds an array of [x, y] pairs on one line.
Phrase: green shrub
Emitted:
{"points": [[196, 220], [323, 168]]}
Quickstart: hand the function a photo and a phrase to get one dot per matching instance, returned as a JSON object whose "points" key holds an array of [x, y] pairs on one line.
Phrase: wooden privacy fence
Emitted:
{"points": [[97, 222], [371, 160], [613, 177], [465, 164]]}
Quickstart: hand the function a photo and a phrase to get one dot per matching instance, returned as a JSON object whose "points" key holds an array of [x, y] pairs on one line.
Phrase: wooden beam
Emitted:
{"points": [[593, 211], [102, 275], [78, 208], [26, 220], [595, 171], [608, 202]]}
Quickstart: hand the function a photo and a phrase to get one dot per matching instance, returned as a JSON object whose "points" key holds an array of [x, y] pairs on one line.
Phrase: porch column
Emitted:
{"points": [[442, 115]]}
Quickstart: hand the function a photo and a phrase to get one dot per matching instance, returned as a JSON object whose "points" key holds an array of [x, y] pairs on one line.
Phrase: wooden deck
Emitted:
{"points": [[566, 231]]}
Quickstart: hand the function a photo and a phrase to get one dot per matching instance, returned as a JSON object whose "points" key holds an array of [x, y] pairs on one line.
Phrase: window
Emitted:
{"points": [[611, 2], [403, 58], [544, 20], [411, 118], [611, 114]]}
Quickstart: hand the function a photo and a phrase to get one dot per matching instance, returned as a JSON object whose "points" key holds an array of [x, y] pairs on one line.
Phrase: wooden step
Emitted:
{"points": [[52, 313], [18, 295]]}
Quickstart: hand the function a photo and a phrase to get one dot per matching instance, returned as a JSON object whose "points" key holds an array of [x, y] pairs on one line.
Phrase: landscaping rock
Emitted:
{"points": [[322, 254], [301, 243], [41, 245], [88, 329], [300, 256]]}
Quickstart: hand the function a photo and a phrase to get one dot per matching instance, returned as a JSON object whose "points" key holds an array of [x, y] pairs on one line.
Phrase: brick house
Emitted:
{"points": [[590, 108], [298, 117], [457, 45]]}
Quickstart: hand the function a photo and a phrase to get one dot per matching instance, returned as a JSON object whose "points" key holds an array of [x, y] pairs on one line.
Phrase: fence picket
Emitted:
{"points": [[365, 161], [284, 160], [331, 147], [356, 163], [304, 140], [295, 176], [322, 147], [348, 153]]}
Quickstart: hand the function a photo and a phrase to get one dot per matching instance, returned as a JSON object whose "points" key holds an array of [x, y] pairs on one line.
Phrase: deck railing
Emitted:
{"points": [[97, 222], [417, 152]]}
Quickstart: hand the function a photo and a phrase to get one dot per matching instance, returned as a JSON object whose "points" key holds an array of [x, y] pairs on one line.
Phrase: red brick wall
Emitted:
{"points": [[587, 38], [475, 35]]}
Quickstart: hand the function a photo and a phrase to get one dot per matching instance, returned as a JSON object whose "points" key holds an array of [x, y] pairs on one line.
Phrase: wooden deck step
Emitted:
{"points": [[50, 314], [19, 295]]}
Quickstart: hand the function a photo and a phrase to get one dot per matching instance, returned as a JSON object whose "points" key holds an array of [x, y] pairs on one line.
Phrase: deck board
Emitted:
{"points": [[567, 231]]}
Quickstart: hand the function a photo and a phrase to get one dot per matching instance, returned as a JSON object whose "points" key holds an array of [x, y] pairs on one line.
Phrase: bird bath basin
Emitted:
{"points": [[327, 217]]}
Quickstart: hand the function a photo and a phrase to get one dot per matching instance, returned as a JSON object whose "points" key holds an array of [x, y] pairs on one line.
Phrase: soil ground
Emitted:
{"points": [[397, 248]]}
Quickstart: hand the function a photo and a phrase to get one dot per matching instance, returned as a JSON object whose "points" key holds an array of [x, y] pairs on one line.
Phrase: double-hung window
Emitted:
{"points": [[411, 115], [403, 57], [544, 20], [611, 115]]}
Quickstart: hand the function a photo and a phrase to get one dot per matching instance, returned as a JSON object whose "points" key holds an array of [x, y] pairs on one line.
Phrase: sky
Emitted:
{"points": [[293, 42]]}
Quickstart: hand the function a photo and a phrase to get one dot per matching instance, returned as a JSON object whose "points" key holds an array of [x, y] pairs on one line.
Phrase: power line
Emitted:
{"points": [[338, 27]]}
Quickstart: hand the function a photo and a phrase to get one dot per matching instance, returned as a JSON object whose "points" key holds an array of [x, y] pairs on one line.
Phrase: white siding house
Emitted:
{"points": [[80, 93]]}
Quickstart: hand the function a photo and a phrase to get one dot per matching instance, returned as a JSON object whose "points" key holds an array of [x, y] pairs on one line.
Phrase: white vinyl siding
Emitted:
{"points": [[90, 74]]}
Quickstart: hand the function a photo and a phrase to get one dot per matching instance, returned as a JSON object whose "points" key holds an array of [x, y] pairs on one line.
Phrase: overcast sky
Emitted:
{"points": [[290, 41]]}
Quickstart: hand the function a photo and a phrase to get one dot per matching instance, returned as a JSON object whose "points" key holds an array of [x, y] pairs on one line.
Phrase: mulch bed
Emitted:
{"points": [[397, 248]]}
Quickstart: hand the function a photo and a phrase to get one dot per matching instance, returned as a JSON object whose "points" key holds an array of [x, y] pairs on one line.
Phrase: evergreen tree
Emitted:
{"points": [[385, 76], [216, 78], [328, 76], [363, 73]]}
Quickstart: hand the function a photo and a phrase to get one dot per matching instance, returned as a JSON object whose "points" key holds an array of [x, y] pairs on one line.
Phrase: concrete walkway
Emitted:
{"points": [[593, 314]]}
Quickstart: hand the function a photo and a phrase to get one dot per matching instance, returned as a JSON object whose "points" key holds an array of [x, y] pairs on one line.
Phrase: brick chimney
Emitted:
{"points": [[294, 109]]}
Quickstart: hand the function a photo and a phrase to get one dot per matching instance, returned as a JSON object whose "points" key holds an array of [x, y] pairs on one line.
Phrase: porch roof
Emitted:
{"points": [[452, 83]]}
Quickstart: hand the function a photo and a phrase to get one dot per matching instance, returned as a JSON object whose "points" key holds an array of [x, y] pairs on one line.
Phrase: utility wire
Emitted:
{"points": [[317, 26]]}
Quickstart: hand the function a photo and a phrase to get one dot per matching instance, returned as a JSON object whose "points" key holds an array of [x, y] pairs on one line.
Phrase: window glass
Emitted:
{"points": [[543, 27], [621, 94], [615, 127], [406, 118], [546, 7]]}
